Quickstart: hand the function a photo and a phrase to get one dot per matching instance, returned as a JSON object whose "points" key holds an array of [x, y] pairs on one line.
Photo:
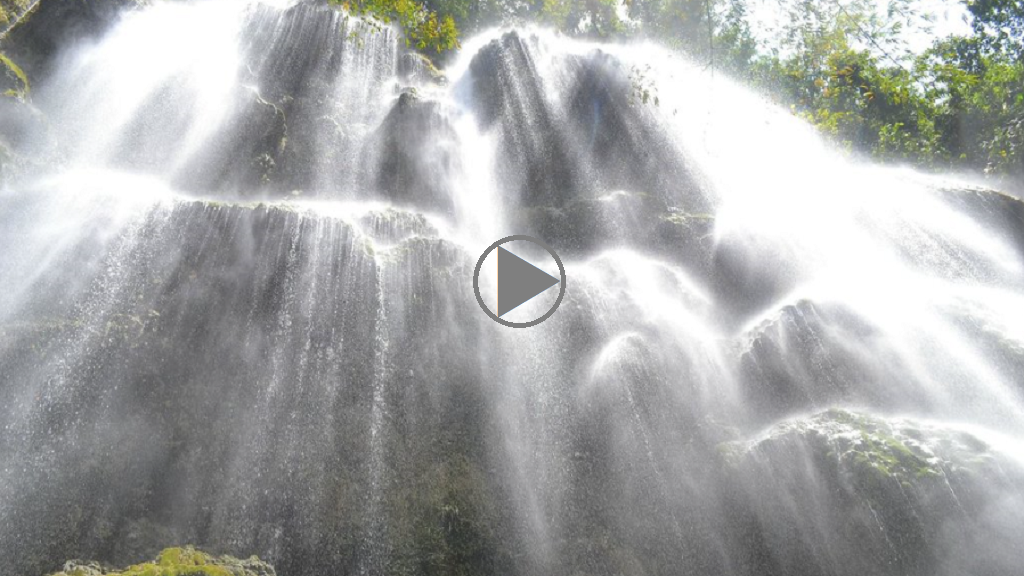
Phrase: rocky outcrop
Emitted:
{"points": [[391, 226], [175, 562], [303, 108], [296, 117], [623, 219], [807, 356], [593, 142], [849, 494], [414, 156]]}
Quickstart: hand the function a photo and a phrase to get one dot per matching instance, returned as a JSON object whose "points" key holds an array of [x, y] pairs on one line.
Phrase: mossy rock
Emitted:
{"points": [[868, 450], [855, 485], [185, 561]]}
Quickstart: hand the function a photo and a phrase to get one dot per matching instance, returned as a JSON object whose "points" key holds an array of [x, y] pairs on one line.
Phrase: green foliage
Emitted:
{"points": [[10, 10], [959, 105], [597, 18], [980, 104], [644, 89], [423, 28], [999, 24], [475, 15]]}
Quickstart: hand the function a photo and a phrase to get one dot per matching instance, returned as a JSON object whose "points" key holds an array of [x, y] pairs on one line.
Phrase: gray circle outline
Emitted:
{"points": [[480, 263]]}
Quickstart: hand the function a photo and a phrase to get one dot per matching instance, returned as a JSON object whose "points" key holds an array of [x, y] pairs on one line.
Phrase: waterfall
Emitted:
{"points": [[238, 313]]}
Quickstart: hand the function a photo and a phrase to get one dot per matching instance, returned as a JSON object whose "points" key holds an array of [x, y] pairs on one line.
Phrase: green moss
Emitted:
{"points": [[11, 10], [14, 70], [874, 454], [186, 561], [842, 416]]}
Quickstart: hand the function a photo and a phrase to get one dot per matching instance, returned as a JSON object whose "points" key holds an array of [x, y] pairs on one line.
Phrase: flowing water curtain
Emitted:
{"points": [[309, 378]]}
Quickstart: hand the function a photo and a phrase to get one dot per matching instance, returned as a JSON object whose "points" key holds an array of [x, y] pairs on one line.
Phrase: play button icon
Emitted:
{"points": [[519, 281], [516, 281]]}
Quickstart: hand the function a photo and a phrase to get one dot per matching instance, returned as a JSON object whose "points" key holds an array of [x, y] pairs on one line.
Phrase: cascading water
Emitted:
{"points": [[237, 312]]}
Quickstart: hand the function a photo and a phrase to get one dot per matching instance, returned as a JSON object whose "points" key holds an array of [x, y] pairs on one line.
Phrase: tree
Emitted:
{"points": [[423, 28], [999, 24]]}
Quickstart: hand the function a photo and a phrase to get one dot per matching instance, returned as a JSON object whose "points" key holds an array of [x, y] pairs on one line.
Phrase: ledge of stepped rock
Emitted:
{"points": [[384, 225], [185, 561], [585, 226], [806, 355]]}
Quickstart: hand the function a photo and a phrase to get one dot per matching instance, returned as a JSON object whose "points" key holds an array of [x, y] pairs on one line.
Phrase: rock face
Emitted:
{"points": [[593, 141], [591, 169], [1001, 214], [303, 113], [806, 358], [343, 287], [176, 562]]}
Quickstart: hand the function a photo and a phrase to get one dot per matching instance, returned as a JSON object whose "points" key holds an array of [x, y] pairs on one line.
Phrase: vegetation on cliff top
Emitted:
{"points": [[845, 67], [424, 28]]}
